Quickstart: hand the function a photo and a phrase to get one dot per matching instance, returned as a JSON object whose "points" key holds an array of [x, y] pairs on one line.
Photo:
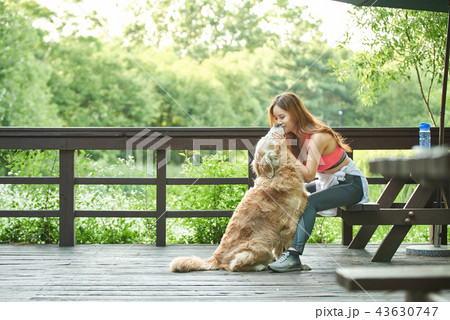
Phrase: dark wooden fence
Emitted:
{"points": [[68, 140]]}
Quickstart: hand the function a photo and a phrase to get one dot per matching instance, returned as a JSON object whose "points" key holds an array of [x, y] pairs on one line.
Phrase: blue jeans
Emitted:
{"points": [[345, 193]]}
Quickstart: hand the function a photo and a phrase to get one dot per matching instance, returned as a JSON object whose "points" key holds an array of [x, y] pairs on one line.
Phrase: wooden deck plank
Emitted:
{"points": [[141, 273]]}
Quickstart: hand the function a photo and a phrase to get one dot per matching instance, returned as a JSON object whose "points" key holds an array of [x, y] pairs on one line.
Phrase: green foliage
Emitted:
{"points": [[217, 197], [33, 163], [29, 230], [226, 78], [306, 71], [219, 65], [402, 43], [113, 197], [400, 106], [143, 230], [99, 86], [201, 29], [116, 230], [46, 197], [24, 94], [194, 63]]}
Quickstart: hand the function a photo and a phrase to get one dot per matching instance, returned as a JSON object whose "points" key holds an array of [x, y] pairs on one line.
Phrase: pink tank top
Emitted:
{"points": [[328, 160]]}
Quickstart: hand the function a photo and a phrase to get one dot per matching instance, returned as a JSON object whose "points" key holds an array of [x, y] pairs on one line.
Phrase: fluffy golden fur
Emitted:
{"points": [[264, 222]]}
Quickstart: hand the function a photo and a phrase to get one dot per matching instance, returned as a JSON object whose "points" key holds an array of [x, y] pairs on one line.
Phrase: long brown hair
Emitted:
{"points": [[306, 122]]}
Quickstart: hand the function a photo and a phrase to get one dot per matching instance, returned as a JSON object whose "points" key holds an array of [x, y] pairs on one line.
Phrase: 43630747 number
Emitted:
{"points": [[406, 311]]}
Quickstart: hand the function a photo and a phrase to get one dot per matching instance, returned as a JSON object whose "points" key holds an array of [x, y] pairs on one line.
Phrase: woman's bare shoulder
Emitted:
{"points": [[323, 141], [321, 137]]}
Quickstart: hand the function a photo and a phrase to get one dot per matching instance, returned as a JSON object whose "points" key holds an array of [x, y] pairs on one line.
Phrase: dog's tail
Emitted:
{"points": [[186, 264]]}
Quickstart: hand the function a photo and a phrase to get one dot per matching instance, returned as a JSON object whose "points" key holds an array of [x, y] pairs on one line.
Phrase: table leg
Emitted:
{"points": [[363, 236], [416, 296], [439, 232], [395, 237], [347, 233], [420, 196], [391, 243], [387, 197], [390, 192]]}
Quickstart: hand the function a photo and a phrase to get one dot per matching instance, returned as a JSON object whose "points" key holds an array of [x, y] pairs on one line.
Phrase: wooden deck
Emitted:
{"points": [[141, 273]]}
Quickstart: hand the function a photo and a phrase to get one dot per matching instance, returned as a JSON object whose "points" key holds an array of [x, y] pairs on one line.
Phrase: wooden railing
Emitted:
{"points": [[68, 140]]}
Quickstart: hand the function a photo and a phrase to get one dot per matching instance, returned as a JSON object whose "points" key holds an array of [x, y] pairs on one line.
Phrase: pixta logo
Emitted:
{"points": [[142, 144]]}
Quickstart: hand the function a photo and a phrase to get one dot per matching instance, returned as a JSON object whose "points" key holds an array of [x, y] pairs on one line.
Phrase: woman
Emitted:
{"points": [[316, 150]]}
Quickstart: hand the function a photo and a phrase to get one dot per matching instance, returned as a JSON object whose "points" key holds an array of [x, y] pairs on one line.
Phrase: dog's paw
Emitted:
{"points": [[260, 267], [305, 267]]}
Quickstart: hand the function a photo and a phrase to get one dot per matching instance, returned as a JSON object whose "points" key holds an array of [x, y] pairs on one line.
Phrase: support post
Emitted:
{"points": [[161, 182], [66, 198], [437, 230], [444, 82]]}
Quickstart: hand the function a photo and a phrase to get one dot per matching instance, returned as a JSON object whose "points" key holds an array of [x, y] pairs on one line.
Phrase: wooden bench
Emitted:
{"points": [[355, 215], [371, 215], [421, 283], [366, 214]]}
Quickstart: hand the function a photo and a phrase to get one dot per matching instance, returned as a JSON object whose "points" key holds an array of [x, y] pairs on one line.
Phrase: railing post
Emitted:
{"points": [[161, 175], [66, 198]]}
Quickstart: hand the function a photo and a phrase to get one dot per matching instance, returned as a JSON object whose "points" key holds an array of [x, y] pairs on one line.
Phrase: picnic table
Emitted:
{"points": [[431, 171]]}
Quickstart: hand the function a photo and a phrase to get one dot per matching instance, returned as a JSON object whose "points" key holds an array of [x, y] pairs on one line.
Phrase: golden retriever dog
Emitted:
{"points": [[264, 222]]}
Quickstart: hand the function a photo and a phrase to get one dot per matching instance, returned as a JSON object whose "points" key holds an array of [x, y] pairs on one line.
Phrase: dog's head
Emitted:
{"points": [[269, 155], [267, 158]]}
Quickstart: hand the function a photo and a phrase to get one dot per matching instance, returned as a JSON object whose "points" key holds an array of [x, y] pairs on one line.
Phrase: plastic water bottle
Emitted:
{"points": [[425, 135]]}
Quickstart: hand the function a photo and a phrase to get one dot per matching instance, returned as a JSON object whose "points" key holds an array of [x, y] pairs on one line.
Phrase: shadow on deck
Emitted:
{"points": [[141, 273]]}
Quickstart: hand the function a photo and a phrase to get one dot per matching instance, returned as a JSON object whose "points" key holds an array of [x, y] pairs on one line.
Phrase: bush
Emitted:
{"points": [[46, 197], [141, 197], [217, 197]]}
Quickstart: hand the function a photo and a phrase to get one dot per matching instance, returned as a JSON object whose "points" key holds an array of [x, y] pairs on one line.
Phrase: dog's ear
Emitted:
{"points": [[263, 164], [256, 164], [255, 167], [269, 163], [266, 158], [257, 158]]}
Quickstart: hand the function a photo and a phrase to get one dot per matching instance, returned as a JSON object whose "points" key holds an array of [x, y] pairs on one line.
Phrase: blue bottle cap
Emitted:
{"points": [[424, 126]]}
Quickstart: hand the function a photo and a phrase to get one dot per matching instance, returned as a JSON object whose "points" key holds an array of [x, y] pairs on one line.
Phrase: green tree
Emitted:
{"points": [[304, 67], [401, 42], [221, 66], [400, 106], [229, 90], [97, 84], [198, 28], [243, 75], [25, 99]]}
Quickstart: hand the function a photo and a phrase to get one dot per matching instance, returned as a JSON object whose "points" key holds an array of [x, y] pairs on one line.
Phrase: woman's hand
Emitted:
{"points": [[279, 139]]}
